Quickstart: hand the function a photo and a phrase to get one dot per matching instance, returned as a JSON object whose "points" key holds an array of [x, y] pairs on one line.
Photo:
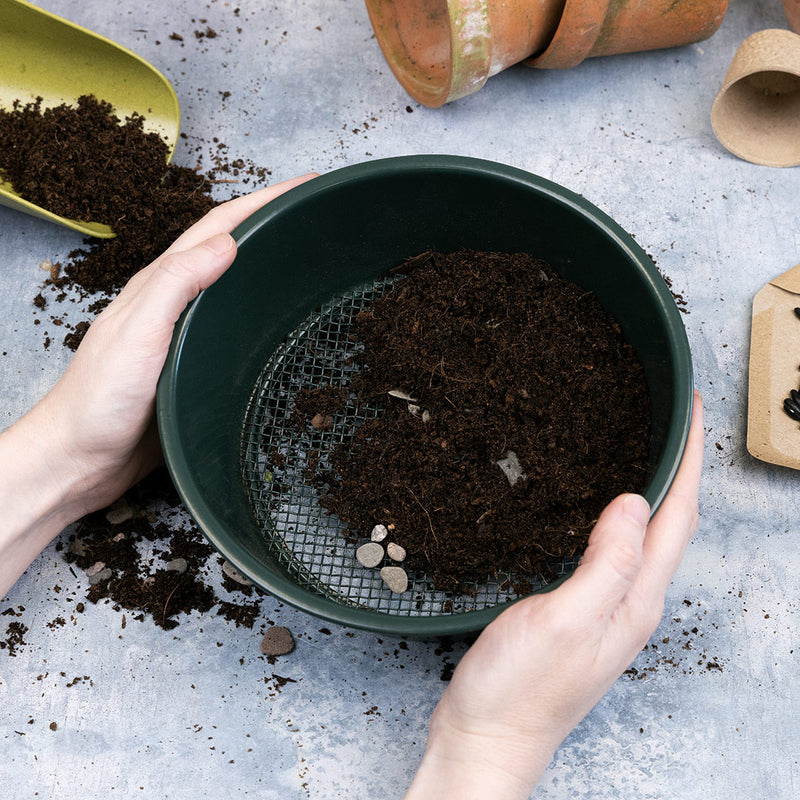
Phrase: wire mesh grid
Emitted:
{"points": [[280, 460]]}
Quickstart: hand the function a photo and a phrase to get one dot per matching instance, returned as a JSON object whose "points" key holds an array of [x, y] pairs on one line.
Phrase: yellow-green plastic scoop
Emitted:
{"points": [[42, 55]]}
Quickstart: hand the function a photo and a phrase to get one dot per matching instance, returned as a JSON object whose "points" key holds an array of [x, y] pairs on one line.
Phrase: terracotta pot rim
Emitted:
{"points": [[578, 30], [441, 50]]}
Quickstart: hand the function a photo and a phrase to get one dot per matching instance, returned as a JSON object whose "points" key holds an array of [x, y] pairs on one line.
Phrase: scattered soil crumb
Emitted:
{"points": [[242, 614], [137, 582], [15, 633], [681, 651]]}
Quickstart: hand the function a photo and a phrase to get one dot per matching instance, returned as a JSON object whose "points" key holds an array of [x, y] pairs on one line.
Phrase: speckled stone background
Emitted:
{"points": [[713, 709]]}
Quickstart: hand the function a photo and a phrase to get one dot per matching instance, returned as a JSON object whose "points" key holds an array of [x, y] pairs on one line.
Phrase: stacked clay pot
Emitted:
{"points": [[792, 9], [440, 50]]}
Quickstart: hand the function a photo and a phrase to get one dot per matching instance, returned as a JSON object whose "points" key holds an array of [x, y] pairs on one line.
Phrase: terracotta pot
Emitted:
{"points": [[441, 50], [607, 27], [792, 9]]}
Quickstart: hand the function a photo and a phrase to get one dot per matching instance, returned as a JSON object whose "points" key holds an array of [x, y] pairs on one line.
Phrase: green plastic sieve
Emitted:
{"points": [[279, 320]]}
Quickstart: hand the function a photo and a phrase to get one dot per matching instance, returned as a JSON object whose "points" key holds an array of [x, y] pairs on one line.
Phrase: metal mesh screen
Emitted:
{"points": [[280, 459]]}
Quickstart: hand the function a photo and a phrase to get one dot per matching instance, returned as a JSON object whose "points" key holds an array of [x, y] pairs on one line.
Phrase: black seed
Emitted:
{"points": [[792, 409]]}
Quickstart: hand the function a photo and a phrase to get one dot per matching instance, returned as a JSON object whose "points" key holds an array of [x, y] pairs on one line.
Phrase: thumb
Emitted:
{"points": [[613, 557], [152, 306], [178, 277]]}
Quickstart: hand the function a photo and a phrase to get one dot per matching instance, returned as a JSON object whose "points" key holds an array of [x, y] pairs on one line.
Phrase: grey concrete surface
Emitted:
{"points": [[713, 710]]}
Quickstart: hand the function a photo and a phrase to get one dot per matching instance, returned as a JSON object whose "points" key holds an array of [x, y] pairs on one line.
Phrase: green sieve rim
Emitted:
{"points": [[284, 586]]}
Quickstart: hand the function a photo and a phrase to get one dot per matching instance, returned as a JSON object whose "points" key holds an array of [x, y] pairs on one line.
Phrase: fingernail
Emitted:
{"points": [[636, 508], [219, 244]]}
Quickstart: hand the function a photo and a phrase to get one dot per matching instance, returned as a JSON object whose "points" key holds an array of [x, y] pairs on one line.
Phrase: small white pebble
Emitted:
{"points": [[120, 537], [370, 554], [414, 409], [231, 572], [98, 566], [426, 416], [395, 551], [118, 513], [379, 533], [179, 565], [395, 578]]}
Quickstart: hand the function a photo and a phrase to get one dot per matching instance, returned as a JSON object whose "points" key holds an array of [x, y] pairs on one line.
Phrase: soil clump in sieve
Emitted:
{"points": [[513, 411]]}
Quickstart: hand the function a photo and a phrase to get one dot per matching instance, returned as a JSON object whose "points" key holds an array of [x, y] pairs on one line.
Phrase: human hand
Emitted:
{"points": [[541, 666], [105, 400], [94, 434]]}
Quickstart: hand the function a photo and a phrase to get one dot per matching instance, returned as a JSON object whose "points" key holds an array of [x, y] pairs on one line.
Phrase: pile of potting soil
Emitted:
{"points": [[513, 412], [82, 162], [159, 569]]}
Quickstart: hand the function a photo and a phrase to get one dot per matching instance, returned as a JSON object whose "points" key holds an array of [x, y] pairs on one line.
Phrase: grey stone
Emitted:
{"points": [[98, 566], [395, 551], [511, 467], [277, 641], [396, 578], [379, 533], [118, 513], [103, 575], [370, 554], [231, 572], [179, 565]]}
